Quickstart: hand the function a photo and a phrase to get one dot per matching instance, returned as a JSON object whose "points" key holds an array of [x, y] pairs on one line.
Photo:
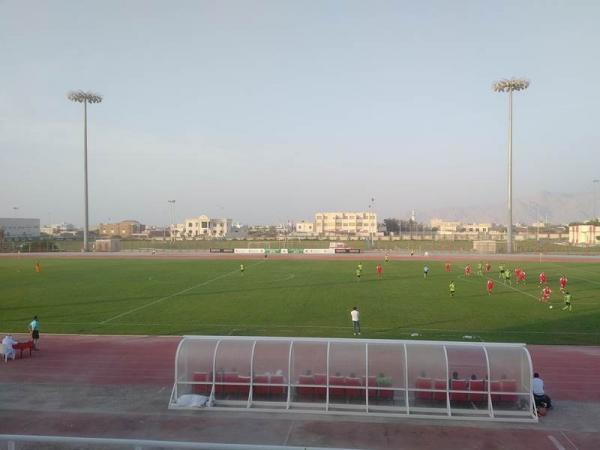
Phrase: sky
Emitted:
{"points": [[269, 111]]}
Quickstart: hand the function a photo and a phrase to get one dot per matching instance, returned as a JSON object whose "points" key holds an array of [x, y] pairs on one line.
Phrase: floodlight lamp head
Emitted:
{"points": [[514, 84], [81, 97]]}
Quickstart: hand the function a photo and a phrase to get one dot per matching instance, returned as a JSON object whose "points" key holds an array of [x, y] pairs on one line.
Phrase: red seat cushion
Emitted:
{"points": [[478, 385], [277, 380], [321, 380], [440, 384], [459, 385], [355, 392], [423, 383], [337, 391], [305, 391], [508, 386], [261, 390], [202, 389]]}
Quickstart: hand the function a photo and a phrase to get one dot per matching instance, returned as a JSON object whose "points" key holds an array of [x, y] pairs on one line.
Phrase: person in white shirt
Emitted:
{"points": [[540, 397], [7, 347], [354, 314]]}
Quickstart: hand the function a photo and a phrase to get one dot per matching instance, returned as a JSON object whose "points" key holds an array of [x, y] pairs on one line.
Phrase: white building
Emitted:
{"points": [[346, 223], [445, 226], [305, 227], [15, 228], [57, 228], [584, 234], [203, 227]]}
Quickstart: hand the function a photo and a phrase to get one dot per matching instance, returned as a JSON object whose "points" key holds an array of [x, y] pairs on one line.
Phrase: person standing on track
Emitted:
{"points": [[355, 316], [34, 329]]}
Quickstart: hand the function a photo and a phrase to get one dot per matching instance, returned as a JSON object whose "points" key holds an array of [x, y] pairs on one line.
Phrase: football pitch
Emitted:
{"points": [[278, 297]]}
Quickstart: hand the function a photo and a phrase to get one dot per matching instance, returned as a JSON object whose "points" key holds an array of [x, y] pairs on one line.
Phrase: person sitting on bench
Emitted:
{"points": [[540, 397]]}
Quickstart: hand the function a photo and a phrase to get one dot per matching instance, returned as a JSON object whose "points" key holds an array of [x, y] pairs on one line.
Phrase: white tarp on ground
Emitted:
{"points": [[193, 401]]}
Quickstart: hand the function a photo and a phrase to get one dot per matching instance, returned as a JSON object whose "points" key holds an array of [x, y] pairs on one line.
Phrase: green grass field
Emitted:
{"points": [[293, 298]]}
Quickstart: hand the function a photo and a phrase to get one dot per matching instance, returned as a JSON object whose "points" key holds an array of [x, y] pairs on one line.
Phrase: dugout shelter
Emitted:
{"points": [[446, 380]]}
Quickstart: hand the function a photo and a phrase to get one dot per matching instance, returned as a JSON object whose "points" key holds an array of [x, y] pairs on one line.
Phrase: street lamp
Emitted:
{"points": [[371, 212], [172, 203], [85, 98], [514, 84]]}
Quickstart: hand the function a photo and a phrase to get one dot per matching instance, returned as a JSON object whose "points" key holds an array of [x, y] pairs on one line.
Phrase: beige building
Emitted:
{"points": [[584, 234], [444, 226], [477, 227], [125, 228], [203, 227], [346, 223]]}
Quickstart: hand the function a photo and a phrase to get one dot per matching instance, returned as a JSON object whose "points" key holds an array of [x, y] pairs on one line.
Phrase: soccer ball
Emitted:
{"points": [[550, 306]]}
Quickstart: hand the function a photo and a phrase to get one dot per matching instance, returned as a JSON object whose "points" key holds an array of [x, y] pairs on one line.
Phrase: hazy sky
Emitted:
{"points": [[272, 110]]}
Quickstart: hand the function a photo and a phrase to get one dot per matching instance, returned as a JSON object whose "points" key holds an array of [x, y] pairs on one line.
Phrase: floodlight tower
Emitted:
{"points": [[172, 203], [595, 181], [85, 98], [514, 84]]}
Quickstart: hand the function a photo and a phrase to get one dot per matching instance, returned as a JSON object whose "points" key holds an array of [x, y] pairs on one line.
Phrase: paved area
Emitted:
{"points": [[118, 386]]}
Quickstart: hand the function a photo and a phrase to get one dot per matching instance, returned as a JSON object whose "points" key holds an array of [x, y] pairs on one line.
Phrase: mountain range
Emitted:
{"points": [[549, 207]]}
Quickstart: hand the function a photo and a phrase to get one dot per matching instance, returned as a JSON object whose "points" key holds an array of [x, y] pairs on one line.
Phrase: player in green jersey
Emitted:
{"points": [[567, 299], [452, 288]]}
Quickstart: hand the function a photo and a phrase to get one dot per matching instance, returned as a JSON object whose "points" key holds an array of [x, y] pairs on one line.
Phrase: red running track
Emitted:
{"points": [[569, 372]]}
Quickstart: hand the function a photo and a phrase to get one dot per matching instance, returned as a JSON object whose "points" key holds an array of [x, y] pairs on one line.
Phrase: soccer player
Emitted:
{"points": [[507, 277], [359, 267], [387, 258], [468, 270], [425, 271], [567, 299], [448, 267], [542, 278], [37, 267], [522, 277], [480, 269], [490, 286], [355, 316], [517, 272], [563, 283], [452, 288], [501, 268], [242, 268], [488, 268], [379, 271], [546, 295], [358, 273]]}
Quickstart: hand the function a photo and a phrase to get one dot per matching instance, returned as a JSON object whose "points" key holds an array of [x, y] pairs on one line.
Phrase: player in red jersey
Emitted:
{"points": [[448, 267], [546, 295], [379, 271], [563, 283], [468, 270], [522, 277], [490, 286], [517, 272], [542, 278]]}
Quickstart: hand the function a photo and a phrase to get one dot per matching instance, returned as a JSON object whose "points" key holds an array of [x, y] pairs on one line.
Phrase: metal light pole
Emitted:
{"points": [[371, 211], [595, 181], [172, 203], [510, 86], [85, 98]]}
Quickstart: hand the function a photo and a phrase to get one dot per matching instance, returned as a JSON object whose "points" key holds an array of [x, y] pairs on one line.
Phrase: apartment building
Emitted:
{"points": [[346, 223], [124, 229], [203, 227]]}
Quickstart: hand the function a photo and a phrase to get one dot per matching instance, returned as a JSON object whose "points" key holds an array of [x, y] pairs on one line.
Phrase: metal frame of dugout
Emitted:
{"points": [[394, 378]]}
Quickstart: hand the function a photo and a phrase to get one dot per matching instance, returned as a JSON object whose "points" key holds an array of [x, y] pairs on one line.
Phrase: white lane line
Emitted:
{"points": [[170, 296], [569, 440], [556, 443]]}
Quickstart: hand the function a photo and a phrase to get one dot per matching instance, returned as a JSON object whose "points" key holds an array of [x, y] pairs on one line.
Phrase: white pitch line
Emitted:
{"points": [[170, 296], [569, 440], [556, 443]]}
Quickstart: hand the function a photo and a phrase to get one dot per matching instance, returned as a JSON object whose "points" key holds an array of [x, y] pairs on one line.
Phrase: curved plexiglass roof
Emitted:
{"points": [[357, 376]]}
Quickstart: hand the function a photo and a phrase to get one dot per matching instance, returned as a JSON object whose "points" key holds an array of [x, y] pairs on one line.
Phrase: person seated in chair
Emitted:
{"points": [[7, 347], [540, 397]]}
